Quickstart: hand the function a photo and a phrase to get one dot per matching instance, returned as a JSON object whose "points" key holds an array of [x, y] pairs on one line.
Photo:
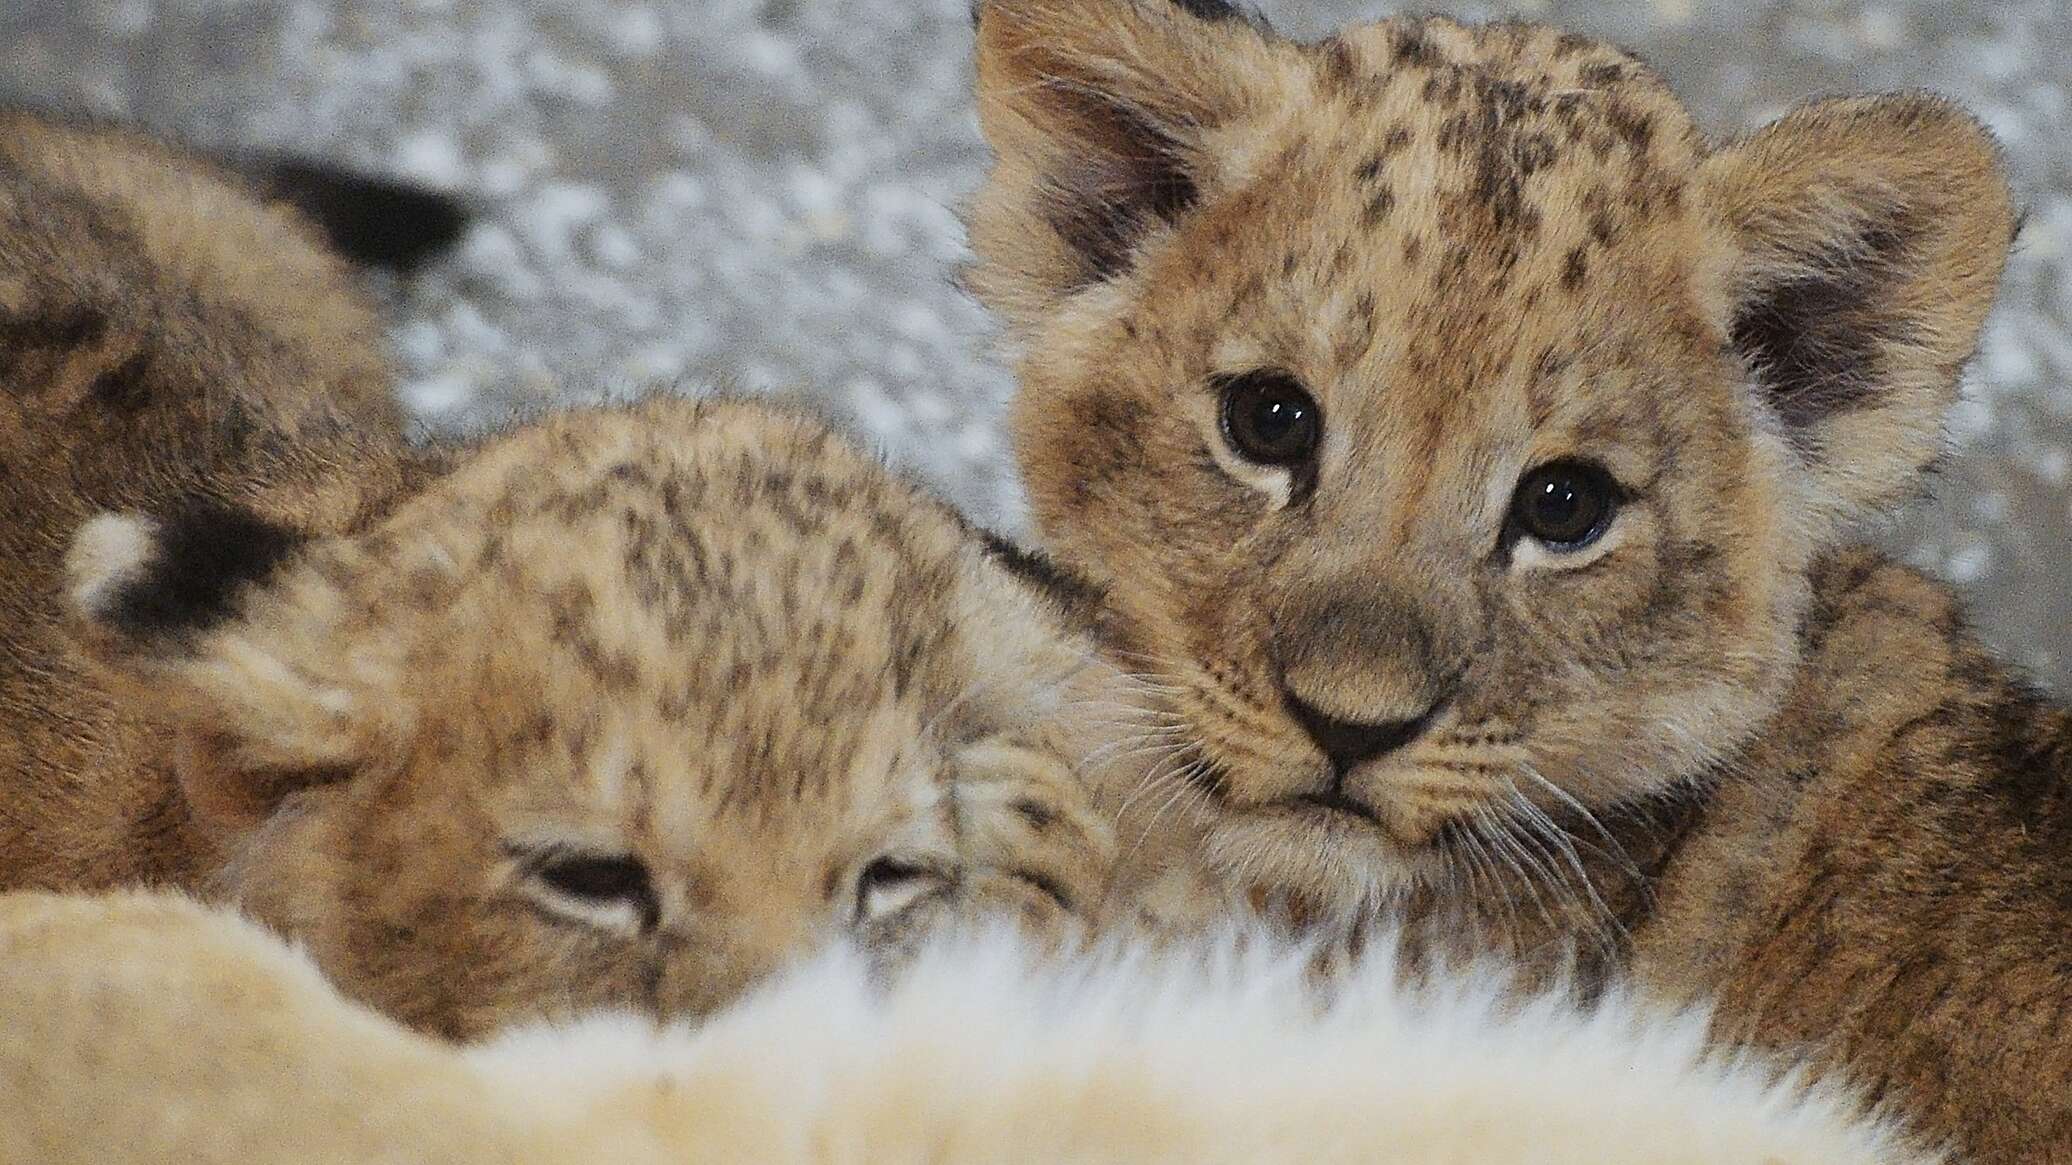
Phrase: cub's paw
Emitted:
{"points": [[1035, 846], [1179, 900]]}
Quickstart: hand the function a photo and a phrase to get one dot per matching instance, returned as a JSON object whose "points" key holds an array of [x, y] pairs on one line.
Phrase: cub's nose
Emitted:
{"points": [[1351, 743]]}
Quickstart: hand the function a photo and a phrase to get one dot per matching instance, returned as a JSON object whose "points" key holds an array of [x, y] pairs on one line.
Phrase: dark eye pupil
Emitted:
{"points": [[1558, 506], [598, 879], [1269, 418], [1276, 420], [889, 872], [1564, 506]]}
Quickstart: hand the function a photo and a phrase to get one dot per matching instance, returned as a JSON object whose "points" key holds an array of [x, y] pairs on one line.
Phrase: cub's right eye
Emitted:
{"points": [[598, 880], [890, 884], [1270, 419], [1565, 505], [609, 891]]}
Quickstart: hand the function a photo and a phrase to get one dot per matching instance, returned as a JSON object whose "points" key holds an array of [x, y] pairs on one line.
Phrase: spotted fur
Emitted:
{"points": [[1714, 747]]}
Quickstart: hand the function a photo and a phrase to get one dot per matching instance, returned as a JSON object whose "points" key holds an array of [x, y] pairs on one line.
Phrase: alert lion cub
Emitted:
{"points": [[1473, 449], [146, 1029]]}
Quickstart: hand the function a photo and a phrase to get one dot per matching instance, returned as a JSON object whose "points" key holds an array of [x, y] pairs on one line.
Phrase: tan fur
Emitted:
{"points": [[1713, 747], [163, 335], [149, 1029]]}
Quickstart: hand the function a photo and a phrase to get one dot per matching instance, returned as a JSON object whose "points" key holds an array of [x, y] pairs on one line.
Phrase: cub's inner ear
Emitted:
{"points": [[1098, 111], [209, 623], [1865, 240]]}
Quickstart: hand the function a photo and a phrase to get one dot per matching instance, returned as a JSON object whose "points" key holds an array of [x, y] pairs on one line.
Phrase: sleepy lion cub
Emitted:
{"points": [[629, 708]]}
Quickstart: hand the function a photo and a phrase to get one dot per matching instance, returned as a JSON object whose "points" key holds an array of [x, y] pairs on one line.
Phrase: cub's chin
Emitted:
{"points": [[1319, 860]]}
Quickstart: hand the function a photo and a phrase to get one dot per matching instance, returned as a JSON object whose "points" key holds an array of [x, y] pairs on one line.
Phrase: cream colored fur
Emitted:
{"points": [[145, 1028]]}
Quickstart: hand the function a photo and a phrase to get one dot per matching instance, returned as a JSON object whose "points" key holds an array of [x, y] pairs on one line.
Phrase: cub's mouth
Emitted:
{"points": [[1333, 801], [1328, 845]]}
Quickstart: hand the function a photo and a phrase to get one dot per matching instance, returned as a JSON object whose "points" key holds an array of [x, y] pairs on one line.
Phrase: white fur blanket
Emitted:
{"points": [[144, 1028]]}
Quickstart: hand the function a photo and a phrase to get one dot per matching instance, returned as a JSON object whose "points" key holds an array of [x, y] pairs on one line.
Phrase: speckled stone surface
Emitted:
{"points": [[763, 194]]}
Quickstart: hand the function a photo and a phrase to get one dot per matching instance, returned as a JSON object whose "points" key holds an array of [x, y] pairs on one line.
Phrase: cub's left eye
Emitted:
{"points": [[890, 884], [1566, 505], [598, 880]]}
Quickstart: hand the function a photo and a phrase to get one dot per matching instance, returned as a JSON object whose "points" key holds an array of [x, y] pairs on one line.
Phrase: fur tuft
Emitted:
{"points": [[1217, 1053]]}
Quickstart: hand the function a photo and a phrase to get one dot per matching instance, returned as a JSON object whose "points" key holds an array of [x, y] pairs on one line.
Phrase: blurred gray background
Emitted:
{"points": [[763, 194]]}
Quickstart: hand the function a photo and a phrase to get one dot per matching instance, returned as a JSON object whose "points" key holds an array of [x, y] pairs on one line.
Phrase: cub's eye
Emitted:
{"points": [[613, 891], [891, 884], [595, 879], [1269, 419], [1565, 505]]}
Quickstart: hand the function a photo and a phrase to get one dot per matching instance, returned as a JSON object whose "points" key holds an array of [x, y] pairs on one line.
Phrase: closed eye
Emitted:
{"points": [[891, 884], [610, 891]]}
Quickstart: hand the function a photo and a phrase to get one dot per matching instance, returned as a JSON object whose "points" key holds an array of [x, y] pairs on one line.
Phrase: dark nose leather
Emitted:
{"points": [[1350, 743]]}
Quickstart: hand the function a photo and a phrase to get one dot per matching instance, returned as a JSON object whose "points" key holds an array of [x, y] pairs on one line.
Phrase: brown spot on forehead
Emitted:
{"points": [[1575, 267]]}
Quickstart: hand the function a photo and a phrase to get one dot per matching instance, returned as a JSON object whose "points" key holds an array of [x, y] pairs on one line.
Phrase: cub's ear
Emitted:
{"points": [[1099, 112], [232, 632], [1863, 244], [374, 222]]}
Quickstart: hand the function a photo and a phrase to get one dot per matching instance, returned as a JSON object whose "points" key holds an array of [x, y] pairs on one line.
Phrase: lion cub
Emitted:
{"points": [[1473, 448], [625, 708], [629, 708]]}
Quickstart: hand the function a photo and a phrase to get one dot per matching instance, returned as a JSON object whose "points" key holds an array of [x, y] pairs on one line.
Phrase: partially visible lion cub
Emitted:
{"points": [[1474, 450], [148, 1029]]}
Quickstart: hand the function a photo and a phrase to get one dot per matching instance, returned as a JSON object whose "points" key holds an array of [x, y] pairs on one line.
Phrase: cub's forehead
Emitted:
{"points": [[1488, 135], [1434, 68], [1445, 215], [727, 574]]}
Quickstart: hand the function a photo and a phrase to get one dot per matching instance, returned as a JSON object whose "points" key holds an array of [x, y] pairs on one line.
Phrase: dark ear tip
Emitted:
{"points": [[184, 573], [375, 222], [1217, 10]]}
